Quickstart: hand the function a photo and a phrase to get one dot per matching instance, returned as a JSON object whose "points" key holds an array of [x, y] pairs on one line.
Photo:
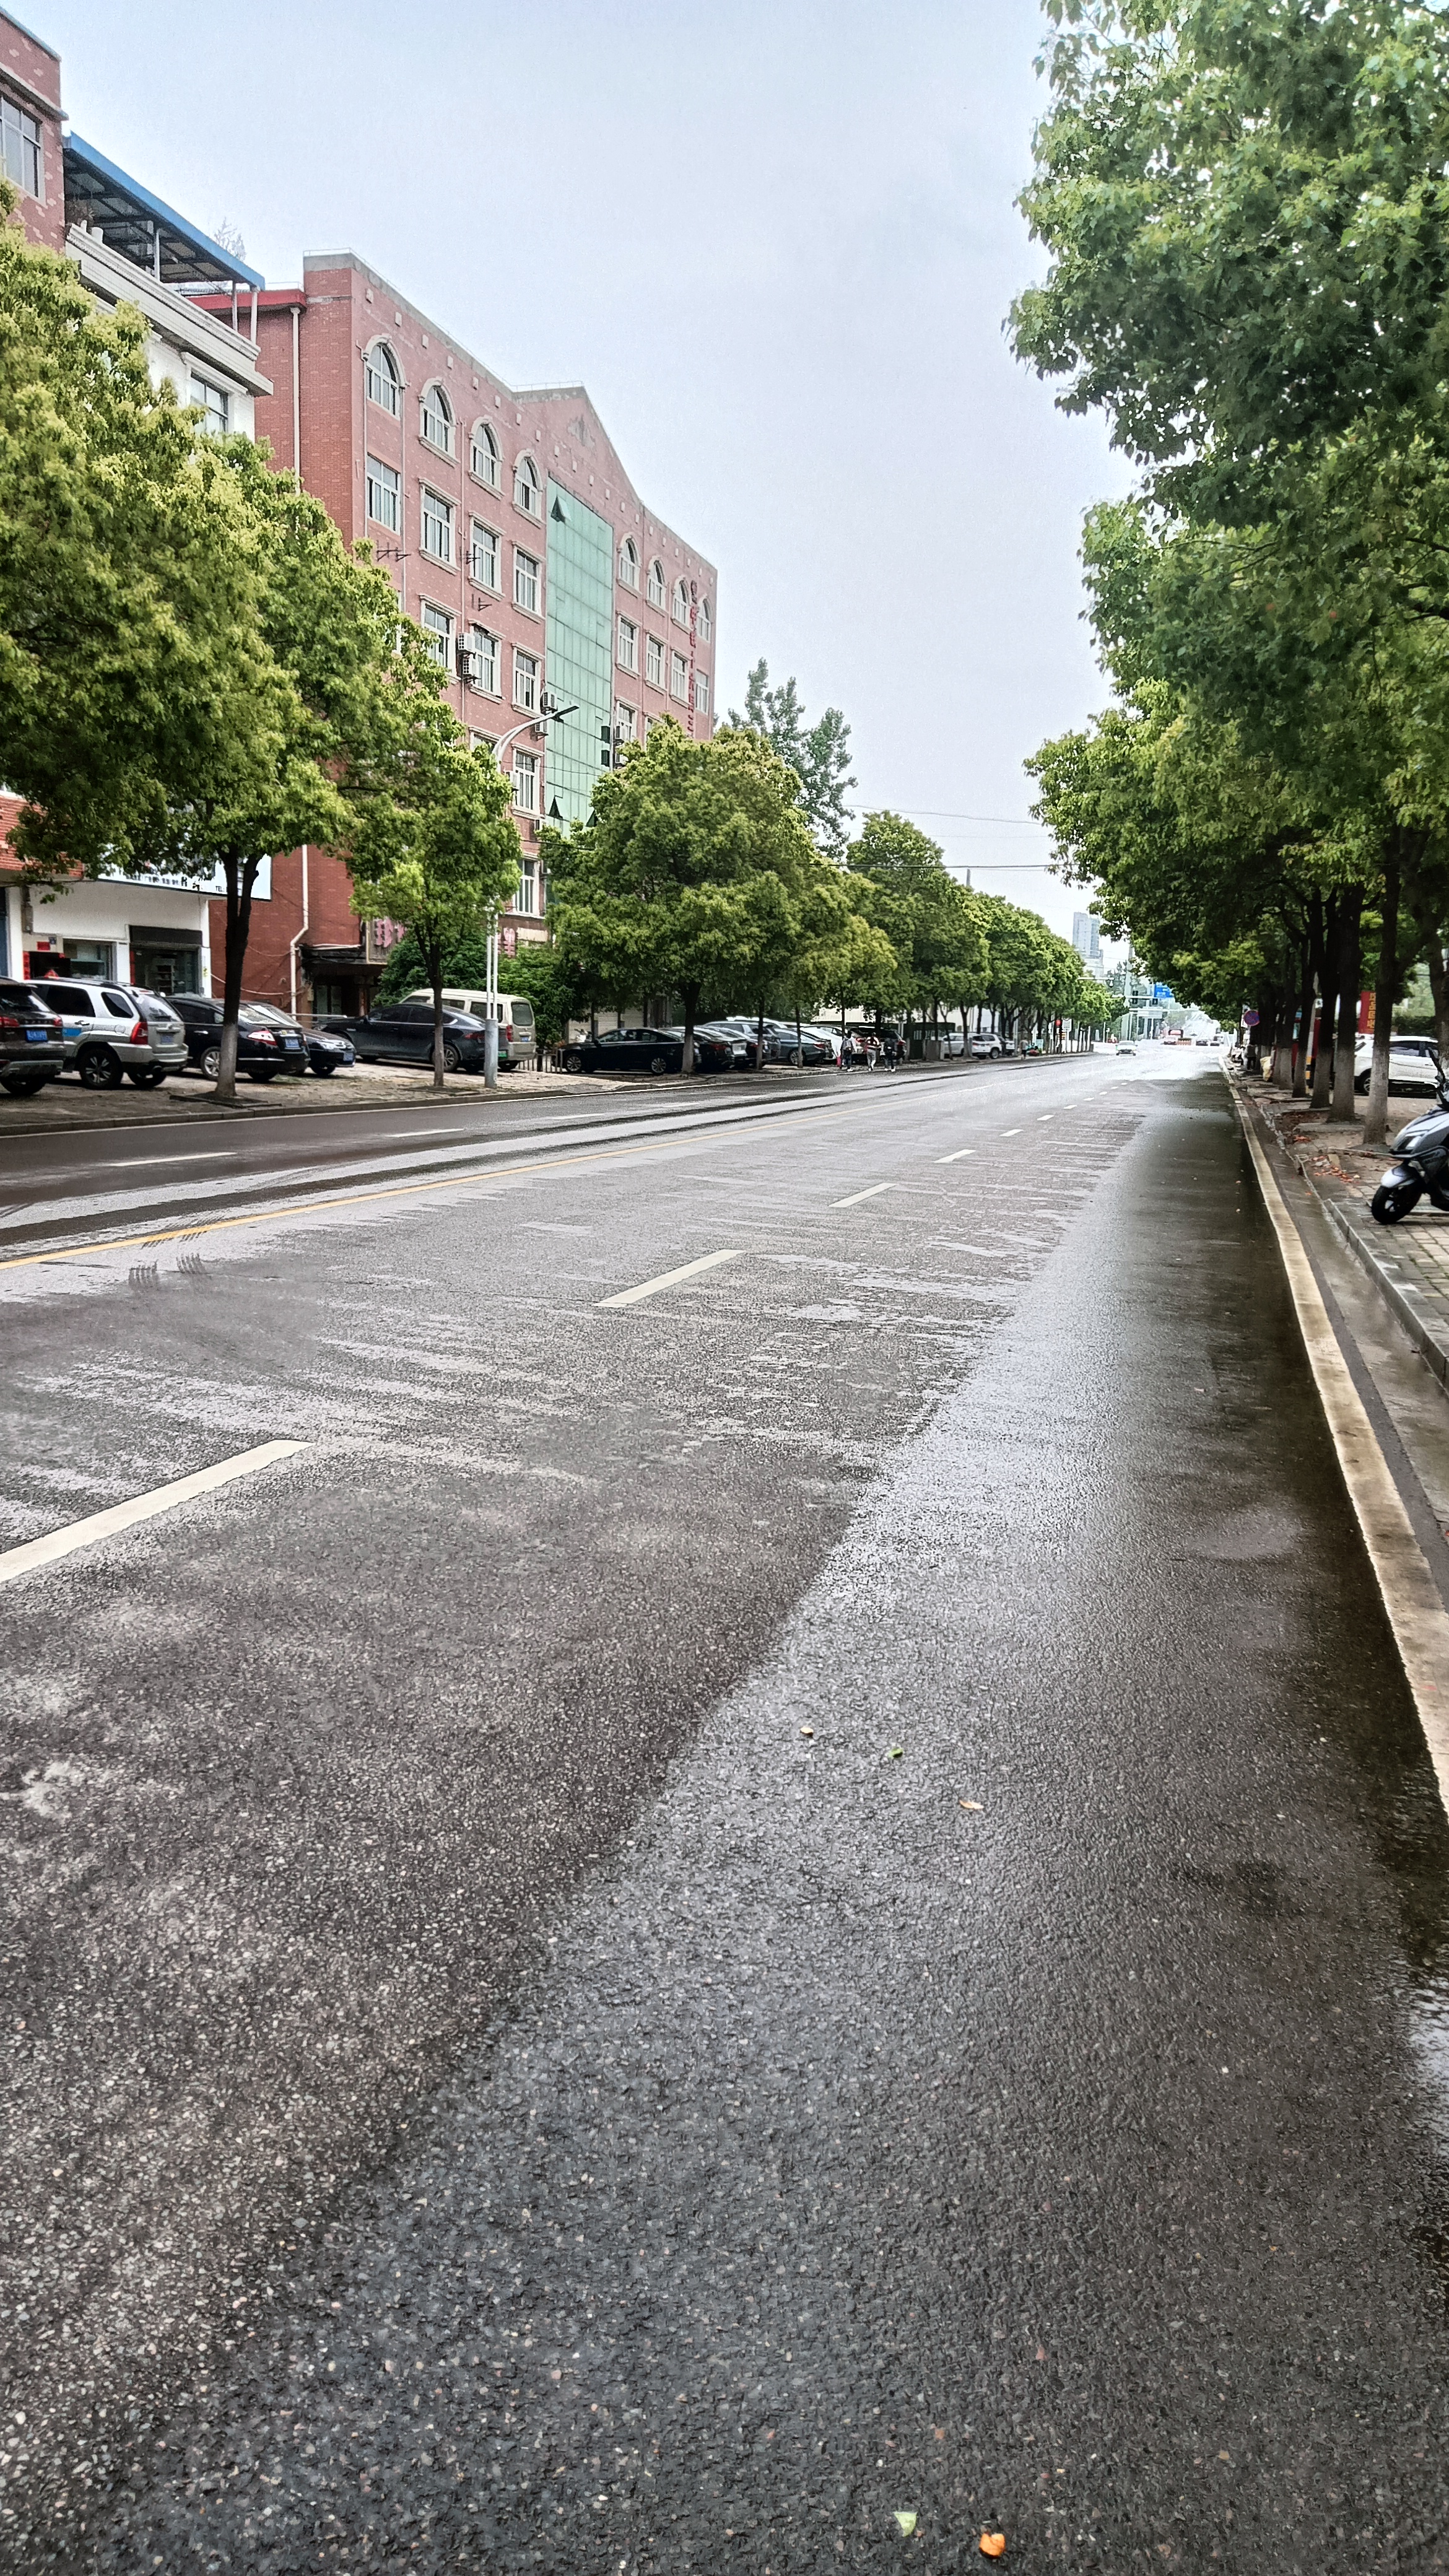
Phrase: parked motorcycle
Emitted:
{"points": [[1421, 1163]]}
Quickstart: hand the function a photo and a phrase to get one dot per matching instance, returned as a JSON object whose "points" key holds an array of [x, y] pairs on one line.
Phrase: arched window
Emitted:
{"points": [[629, 564], [483, 453], [680, 610], [656, 584], [704, 621], [525, 485], [384, 384], [437, 419]]}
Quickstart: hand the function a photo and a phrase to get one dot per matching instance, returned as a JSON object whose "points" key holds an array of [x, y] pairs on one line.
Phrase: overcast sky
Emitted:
{"points": [[775, 238]]}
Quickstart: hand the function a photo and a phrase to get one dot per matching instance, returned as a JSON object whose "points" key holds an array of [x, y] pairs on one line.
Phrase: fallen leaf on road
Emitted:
{"points": [[993, 2544], [907, 2523], [972, 1806], [895, 1753], [807, 1730]]}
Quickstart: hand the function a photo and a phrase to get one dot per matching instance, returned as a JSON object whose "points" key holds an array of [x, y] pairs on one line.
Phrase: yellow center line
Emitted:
{"points": [[364, 1198]]}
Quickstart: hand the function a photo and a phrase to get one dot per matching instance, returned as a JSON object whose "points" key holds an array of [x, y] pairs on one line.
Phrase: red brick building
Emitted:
{"points": [[515, 538], [30, 132]]}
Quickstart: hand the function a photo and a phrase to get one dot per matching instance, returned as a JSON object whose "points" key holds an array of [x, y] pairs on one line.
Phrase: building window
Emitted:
{"points": [[525, 580], [656, 584], [214, 405], [525, 782], [436, 419], [483, 454], [438, 634], [526, 898], [627, 649], [629, 564], [19, 148], [484, 649], [653, 661], [678, 677], [384, 494], [626, 721], [704, 621], [525, 485], [525, 682], [681, 603], [381, 378], [483, 556], [437, 526], [701, 693]]}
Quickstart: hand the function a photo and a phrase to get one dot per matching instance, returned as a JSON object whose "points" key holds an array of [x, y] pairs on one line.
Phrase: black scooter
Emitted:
{"points": [[1422, 1163]]}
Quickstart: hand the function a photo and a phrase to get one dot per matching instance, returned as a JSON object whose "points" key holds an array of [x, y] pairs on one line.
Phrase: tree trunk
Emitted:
{"points": [[1327, 999], [1305, 1025], [435, 978], [1345, 1105], [241, 876], [799, 1043], [691, 1005], [1283, 1043], [760, 1037], [1386, 984]]}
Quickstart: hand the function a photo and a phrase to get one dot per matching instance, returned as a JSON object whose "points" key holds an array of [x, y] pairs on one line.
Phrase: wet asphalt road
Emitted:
{"points": [[487, 2090]]}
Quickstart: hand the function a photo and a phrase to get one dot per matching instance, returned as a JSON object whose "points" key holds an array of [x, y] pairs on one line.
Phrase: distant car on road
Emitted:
{"points": [[1413, 1065], [646, 1051], [1125, 1047], [32, 1042], [111, 1030]]}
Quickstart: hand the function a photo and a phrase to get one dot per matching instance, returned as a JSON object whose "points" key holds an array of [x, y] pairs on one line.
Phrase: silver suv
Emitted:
{"points": [[115, 1029]]}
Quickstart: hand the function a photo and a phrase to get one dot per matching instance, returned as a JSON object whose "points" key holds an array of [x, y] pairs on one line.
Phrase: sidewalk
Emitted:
{"points": [[1408, 1262], [66, 1105]]}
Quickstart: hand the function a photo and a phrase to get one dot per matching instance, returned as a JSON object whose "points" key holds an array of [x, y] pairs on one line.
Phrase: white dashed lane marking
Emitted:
{"points": [[856, 1196], [667, 1279], [143, 1507]]}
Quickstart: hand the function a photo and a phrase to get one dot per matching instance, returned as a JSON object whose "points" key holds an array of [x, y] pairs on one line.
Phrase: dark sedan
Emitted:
{"points": [[262, 1049], [32, 1041], [647, 1051], [325, 1049], [402, 1033]]}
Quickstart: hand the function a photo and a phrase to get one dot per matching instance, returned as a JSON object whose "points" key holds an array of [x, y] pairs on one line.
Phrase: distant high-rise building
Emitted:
{"points": [[1087, 941]]}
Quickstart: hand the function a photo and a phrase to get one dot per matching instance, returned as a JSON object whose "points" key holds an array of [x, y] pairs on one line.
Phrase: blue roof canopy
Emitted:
{"points": [[142, 227]]}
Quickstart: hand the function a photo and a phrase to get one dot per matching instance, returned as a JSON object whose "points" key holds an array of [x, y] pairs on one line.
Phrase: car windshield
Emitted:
{"points": [[266, 1015]]}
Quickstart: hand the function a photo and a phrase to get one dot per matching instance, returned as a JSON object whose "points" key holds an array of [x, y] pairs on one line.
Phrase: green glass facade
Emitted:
{"points": [[578, 651]]}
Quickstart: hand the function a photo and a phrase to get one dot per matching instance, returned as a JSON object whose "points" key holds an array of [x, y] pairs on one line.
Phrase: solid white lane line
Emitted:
{"points": [[857, 1195], [61, 1542], [1416, 1613], [141, 1162], [959, 1157], [668, 1279], [1011, 1131]]}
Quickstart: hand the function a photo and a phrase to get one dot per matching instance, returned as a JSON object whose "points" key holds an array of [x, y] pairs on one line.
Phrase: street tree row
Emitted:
{"points": [[1244, 209]]}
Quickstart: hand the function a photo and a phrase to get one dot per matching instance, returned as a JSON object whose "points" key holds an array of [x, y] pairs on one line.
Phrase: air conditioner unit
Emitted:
{"points": [[468, 664]]}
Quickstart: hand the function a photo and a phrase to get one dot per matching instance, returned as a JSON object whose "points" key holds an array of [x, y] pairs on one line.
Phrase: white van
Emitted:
{"points": [[517, 1039]]}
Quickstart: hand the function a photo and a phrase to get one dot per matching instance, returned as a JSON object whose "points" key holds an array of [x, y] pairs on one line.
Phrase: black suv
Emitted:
{"points": [[32, 1041]]}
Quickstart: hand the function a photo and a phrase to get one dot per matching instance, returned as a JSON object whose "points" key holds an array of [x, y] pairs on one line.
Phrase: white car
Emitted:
{"points": [[1413, 1064]]}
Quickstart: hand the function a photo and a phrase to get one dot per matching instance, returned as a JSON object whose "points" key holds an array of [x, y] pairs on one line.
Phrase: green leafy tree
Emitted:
{"points": [[934, 925], [689, 876], [819, 754], [435, 847]]}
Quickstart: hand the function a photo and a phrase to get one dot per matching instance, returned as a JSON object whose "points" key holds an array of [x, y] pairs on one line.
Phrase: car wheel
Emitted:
{"points": [[452, 1061], [99, 1068], [262, 1073], [148, 1076], [211, 1063], [659, 1064], [327, 1065], [1361, 1082], [23, 1086], [573, 1061]]}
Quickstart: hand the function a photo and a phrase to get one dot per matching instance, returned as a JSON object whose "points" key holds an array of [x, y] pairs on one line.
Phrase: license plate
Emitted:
{"points": [[37, 1037]]}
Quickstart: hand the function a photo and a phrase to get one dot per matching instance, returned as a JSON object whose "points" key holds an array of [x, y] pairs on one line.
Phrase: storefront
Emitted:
{"points": [[151, 931]]}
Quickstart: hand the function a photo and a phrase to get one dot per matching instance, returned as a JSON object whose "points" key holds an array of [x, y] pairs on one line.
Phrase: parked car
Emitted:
{"points": [[1413, 1065], [986, 1042], [32, 1042], [744, 1037], [517, 1034], [325, 1049], [402, 1033], [263, 1050], [645, 1051], [113, 1030]]}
